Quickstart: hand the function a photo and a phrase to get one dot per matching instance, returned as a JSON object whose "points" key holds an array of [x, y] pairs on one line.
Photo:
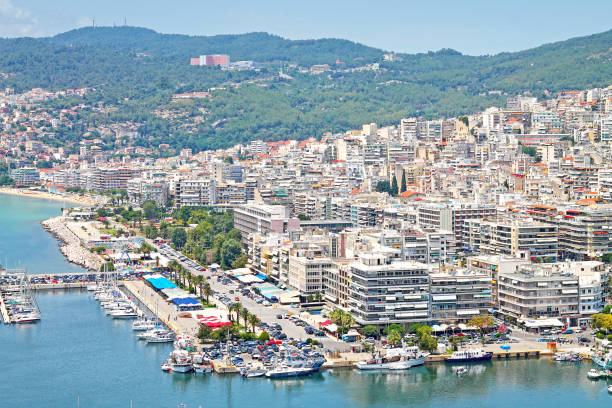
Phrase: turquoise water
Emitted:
{"points": [[23, 241], [78, 352]]}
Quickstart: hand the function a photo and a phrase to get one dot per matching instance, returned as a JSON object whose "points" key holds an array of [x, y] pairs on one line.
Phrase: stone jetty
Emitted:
{"points": [[73, 248]]}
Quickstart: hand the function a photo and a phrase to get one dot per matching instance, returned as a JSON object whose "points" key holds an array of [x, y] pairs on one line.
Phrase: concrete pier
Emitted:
{"points": [[5, 316]]}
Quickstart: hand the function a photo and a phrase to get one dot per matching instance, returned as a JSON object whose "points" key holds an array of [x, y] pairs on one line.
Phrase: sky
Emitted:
{"points": [[474, 27]]}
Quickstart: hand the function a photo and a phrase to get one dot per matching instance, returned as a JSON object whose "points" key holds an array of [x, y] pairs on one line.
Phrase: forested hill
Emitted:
{"points": [[261, 47], [137, 70]]}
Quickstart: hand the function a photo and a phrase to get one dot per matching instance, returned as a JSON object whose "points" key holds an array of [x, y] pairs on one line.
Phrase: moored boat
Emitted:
{"points": [[469, 356]]}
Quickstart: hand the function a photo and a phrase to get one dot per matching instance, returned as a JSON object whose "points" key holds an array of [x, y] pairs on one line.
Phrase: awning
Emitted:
{"points": [[470, 312], [569, 291], [439, 298], [436, 328]]}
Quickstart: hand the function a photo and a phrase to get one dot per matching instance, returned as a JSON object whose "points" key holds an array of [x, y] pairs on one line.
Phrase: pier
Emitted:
{"points": [[17, 301]]}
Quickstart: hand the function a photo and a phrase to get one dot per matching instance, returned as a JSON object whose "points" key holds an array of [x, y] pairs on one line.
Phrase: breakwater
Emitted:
{"points": [[73, 248]]}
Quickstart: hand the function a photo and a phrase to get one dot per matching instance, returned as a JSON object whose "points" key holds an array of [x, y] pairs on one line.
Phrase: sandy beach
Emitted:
{"points": [[69, 198]]}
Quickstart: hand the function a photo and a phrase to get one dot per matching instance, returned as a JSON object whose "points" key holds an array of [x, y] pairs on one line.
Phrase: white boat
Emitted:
{"points": [[142, 325], [25, 318], [395, 359], [92, 288], [593, 374], [167, 337], [460, 370], [180, 362], [203, 368], [165, 367], [253, 373], [127, 313], [469, 356], [610, 389]]}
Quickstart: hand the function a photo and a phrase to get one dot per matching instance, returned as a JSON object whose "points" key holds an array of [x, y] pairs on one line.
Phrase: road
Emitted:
{"points": [[267, 314]]}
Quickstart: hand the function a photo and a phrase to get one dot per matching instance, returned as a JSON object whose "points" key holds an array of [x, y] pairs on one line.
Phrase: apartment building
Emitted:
{"points": [[460, 295], [453, 217], [195, 193], [534, 292], [306, 272], [140, 190], [522, 238], [25, 176], [105, 178], [384, 292], [263, 218]]}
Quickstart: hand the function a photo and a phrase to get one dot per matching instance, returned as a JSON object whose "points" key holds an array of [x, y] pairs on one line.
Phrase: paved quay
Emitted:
{"points": [[165, 311]]}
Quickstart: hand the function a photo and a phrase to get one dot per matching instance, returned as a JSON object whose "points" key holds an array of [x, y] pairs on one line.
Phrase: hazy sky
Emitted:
{"points": [[470, 26]]}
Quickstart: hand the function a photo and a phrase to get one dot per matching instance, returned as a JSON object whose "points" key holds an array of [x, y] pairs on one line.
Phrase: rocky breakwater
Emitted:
{"points": [[72, 248]]}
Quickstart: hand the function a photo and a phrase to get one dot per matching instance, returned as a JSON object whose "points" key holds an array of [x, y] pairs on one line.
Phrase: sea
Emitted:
{"points": [[78, 357]]}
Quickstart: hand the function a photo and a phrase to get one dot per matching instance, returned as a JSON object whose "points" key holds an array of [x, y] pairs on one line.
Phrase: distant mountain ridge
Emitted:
{"points": [[250, 105]]}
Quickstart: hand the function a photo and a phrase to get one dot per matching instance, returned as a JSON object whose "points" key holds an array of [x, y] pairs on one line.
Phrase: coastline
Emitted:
{"points": [[71, 198], [72, 249]]}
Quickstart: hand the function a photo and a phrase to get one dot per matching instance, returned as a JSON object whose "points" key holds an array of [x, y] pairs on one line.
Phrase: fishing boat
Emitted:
{"points": [[469, 356], [395, 359], [180, 362]]}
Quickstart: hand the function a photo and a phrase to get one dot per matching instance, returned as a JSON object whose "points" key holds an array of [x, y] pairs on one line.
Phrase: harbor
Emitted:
{"points": [[17, 301]]}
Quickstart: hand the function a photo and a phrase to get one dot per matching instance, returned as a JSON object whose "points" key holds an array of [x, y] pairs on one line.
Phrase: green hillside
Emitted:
{"points": [[263, 105]]}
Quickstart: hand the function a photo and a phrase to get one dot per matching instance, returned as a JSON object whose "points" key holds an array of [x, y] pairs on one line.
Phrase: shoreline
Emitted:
{"points": [[72, 247], [72, 198]]}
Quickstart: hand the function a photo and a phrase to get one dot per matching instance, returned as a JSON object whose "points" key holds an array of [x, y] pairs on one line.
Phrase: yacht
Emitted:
{"points": [[22, 318], [295, 368], [143, 324], [593, 374], [164, 337], [469, 356], [125, 313]]}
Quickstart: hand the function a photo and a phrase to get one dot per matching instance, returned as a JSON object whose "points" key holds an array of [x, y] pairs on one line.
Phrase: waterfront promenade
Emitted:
{"points": [[166, 312]]}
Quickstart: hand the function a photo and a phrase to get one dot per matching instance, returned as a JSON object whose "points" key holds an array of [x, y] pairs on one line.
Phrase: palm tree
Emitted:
{"points": [[237, 309], [253, 321], [198, 280], [146, 249], [207, 291], [245, 316], [336, 316], [346, 319], [189, 277], [233, 308]]}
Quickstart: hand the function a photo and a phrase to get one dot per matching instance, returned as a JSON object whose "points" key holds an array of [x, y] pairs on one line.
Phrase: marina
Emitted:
{"points": [[17, 301]]}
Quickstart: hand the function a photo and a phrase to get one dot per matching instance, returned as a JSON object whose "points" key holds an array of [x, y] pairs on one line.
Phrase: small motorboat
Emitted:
{"points": [[202, 368], [593, 374], [610, 389], [166, 367], [253, 373], [460, 370]]}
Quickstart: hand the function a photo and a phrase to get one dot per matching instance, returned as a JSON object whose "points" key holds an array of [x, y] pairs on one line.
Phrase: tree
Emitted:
{"points": [[423, 331], [237, 307], [178, 237], [151, 210], [394, 337], [403, 185], [198, 280], [428, 343], [230, 251], [482, 322], [207, 291], [394, 188], [204, 332], [369, 331], [303, 217], [240, 262], [108, 266], [264, 336], [394, 327], [146, 249], [383, 187], [245, 317], [414, 327], [253, 321]]}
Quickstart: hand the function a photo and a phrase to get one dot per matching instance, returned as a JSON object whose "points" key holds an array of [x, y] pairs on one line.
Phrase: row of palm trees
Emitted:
{"points": [[247, 317], [187, 279]]}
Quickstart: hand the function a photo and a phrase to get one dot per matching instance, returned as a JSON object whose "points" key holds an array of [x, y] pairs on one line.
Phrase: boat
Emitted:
{"points": [[469, 356], [165, 367], [395, 359], [572, 357], [92, 288], [253, 373], [180, 362], [295, 367], [203, 368], [143, 324], [25, 318], [593, 374], [167, 337], [460, 370], [126, 313], [610, 389]]}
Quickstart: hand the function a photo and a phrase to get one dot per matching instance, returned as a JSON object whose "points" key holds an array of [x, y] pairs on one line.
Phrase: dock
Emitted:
{"points": [[5, 316]]}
